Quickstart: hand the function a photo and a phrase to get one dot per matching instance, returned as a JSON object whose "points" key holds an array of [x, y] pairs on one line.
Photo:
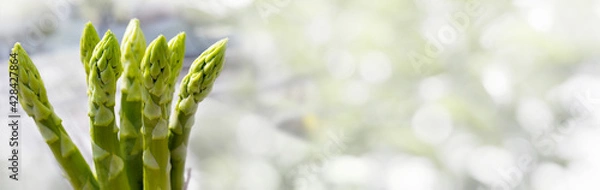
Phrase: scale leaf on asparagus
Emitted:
{"points": [[176, 56], [193, 89], [89, 39], [34, 101], [105, 68], [147, 152], [156, 73], [132, 48]]}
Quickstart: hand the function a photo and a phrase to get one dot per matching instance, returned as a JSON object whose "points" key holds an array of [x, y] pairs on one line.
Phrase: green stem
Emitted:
{"points": [[34, 101], [132, 48], [105, 69], [194, 88], [155, 75], [176, 57]]}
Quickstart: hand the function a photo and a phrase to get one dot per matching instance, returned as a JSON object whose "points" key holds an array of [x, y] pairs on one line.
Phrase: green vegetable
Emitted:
{"points": [[156, 72], [88, 41], [105, 69], [32, 95], [149, 150], [176, 56], [132, 48], [194, 88]]}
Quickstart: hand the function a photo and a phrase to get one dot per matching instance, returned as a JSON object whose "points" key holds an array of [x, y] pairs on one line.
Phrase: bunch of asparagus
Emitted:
{"points": [[146, 149]]}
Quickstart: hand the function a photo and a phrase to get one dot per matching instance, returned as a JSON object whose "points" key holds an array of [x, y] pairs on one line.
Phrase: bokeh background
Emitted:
{"points": [[347, 94]]}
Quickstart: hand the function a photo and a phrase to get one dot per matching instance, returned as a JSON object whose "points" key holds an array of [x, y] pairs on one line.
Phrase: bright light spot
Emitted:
{"points": [[214, 8], [519, 145], [261, 47], [548, 176], [356, 93], [534, 115], [237, 3], [375, 67], [258, 175], [319, 30], [539, 13], [290, 150], [528, 3], [580, 94], [578, 142], [310, 182], [432, 124], [14, 15], [582, 175], [341, 64], [456, 150], [256, 134], [433, 88], [597, 8], [413, 174], [497, 84], [353, 24], [488, 164], [540, 18], [347, 170]]}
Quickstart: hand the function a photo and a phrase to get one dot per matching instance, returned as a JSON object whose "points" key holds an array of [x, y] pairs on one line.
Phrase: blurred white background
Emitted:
{"points": [[348, 94]]}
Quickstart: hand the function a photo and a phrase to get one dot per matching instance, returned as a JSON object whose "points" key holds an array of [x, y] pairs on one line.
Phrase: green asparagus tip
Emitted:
{"points": [[161, 38], [177, 39], [196, 85], [132, 48], [133, 26], [176, 56], [34, 100], [136, 21], [109, 32], [105, 69], [88, 41], [109, 43], [204, 70], [154, 74], [219, 46], [32, 93]]}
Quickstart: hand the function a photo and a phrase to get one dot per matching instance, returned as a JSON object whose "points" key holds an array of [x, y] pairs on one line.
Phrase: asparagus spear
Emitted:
{"points": [[34, 101], [156, 72], [88, 41], [194, 88], [105, 69], [176, 56], [132, 48]]}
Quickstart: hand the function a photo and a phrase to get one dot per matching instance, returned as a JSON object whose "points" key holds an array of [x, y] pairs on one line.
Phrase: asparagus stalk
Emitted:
{"points": [[88, 41], [132, 48], [156, 72], [34, 101], [194, 88], [176, 56], [105, 69]]}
